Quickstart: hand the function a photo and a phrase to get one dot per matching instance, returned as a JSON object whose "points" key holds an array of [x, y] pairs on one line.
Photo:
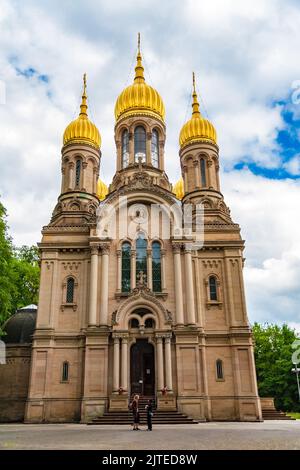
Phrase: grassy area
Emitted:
{"points": [[293, 415]]}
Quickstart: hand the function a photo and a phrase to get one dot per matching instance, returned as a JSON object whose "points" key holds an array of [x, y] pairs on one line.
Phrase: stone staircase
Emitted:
{"points": [[160, 416], [269, 411], [274, 414]]}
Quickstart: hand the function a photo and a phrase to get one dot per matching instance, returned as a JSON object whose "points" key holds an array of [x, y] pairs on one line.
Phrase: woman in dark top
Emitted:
{"points": [[149, 408], [135, 413]]}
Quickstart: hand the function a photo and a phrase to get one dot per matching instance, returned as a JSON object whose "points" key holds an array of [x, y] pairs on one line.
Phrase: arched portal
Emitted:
{"points": [[142, 368]]}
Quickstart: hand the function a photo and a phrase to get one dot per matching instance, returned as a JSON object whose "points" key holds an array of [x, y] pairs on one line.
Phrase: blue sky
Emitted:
{"points": [[246, 59]]}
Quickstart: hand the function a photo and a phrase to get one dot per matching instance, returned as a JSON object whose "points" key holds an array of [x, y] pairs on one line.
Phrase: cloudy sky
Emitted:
{"points": [[247, 63]]}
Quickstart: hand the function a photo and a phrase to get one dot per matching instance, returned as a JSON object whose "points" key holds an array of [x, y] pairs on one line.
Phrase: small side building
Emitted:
{"points": [[14, 374]]}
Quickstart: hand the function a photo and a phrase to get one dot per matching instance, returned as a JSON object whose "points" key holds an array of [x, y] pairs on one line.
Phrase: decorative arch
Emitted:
{"points": [[74, 206], [142, 298]]}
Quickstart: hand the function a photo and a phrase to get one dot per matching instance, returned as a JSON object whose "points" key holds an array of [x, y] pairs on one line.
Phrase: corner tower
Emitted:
{"points": [[80, 169]]}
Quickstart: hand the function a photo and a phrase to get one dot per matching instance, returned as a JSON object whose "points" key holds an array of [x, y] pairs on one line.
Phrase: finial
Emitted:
{"points": [[139, 43], [84, 83], [194, 85], [195, 104], [83, 106], [139, 69]]}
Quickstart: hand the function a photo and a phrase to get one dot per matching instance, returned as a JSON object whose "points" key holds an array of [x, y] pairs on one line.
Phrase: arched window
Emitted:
{"points": [[70, 290], [139, 144], [219, 369], [134, 323], [149, 323], [65, 372], [213, 294], [77, 173], [141, 258], [126, 252], [203, 172], [155, 149], [125, 149], [156, 267]]}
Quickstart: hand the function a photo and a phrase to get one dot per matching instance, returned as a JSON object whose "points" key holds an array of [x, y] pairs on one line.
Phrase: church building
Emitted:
{"points": [[137, 295]]}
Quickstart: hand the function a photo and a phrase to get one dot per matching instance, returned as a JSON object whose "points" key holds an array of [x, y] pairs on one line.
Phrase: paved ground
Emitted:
{"points": [[267, 435]]}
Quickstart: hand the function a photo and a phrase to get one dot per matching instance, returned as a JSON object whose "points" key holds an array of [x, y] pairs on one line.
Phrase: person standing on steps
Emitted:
{"points": [[149, 409], [135, 412]]}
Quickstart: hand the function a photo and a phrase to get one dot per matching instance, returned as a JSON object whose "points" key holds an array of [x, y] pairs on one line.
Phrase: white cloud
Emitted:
{"points": [[245, 55], [293, 165], [266, 211]]}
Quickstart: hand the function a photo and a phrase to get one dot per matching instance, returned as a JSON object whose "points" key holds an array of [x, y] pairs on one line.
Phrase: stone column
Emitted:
{"points": [[168, 363], [83, 177], [71, 176], [133, 269], [104, 285], [163, 270], [116, 370], [148, 149], [160, 363], [149, 269], [189, 286], [93, 286], [178, 284], [185, 180], [124, 363], [131, 147], [210, 173], [95, 179], [218, 175], [161, 156], [119, 270], [119, 155], [197, 174], [63, 179]]}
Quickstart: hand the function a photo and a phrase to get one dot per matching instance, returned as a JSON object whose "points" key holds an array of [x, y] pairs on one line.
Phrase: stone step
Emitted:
{"points": [[160, 417], [276, 415]]}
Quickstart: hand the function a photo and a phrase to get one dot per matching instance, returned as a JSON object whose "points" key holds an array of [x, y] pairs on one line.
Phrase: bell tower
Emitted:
{"points": [[80, 169], [140, 132], [199, 159]]}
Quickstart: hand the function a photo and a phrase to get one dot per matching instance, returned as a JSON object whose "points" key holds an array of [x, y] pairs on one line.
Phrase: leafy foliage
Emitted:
{"points": [[273, 357], [19, 273]]}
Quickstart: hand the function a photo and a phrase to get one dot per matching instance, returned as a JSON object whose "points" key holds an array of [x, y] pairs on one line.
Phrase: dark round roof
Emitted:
{"points": [[20, 327]]}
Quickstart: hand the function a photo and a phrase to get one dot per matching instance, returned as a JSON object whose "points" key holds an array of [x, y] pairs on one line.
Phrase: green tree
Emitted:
{"points": [[7, 287], [19, 273], [26, 274], [273, 357]]}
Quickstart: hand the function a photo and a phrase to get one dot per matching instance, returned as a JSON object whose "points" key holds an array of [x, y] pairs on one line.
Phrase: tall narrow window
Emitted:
{"points": [[70, 290], [203, 172], [213, 294], [155, 149], [156, 267], [78, 173], [125, 149], [139, 144], [65, 372], [219, 369], [126, 253], [141, 258]]}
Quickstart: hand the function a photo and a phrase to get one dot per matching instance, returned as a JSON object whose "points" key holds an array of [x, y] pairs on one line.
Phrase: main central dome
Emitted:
{"points": [[139, 98]]}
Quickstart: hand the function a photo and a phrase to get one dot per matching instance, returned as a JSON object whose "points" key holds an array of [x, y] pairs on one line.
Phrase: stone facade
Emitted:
{"points": [[184, 331]]}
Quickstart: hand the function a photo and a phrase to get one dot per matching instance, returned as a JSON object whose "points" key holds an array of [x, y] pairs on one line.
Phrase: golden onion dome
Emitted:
{"points": [[139, 98], [197, 128], [82, 130], [178, 189], [102, 190]]}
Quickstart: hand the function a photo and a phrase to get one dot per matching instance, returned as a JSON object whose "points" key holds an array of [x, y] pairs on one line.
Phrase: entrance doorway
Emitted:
{"points": [[142, 372]]}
